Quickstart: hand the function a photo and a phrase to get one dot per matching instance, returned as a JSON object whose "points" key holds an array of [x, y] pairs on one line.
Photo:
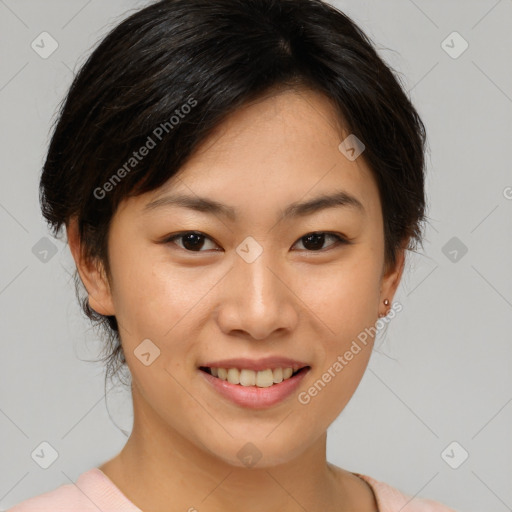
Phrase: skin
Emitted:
{"points": [[199, 306]]}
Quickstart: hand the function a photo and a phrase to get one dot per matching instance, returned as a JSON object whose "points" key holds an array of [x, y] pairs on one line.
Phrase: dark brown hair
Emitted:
{"points": [[174, 70]]}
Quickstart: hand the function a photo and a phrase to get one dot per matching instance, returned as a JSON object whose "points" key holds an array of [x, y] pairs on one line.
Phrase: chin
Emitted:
{"points": [[258, 451]]}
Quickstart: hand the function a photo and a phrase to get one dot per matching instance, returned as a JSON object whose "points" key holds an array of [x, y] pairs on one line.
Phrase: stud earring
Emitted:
{"points": [[386, 303]]}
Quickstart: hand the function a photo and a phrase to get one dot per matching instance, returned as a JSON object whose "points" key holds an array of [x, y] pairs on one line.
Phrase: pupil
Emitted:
{"points": [[197, 243], [316, 238]]}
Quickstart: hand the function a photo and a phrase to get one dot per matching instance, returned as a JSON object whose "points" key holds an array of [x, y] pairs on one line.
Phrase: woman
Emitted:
{"points": [[239, 182]]}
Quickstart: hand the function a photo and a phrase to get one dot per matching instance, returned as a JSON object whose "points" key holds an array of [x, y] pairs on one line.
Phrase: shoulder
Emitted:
{"points": [[91, 491], [56, 500], [390, 499]]}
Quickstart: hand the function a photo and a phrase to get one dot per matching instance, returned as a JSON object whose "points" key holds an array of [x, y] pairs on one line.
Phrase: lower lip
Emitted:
{"points": [[254, 397]]}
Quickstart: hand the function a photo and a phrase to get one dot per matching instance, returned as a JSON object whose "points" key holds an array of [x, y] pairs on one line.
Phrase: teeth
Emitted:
{"points": [[233, 376], [247, 377], [261, 379], [287, 373], [265, 378], [278, 375]]}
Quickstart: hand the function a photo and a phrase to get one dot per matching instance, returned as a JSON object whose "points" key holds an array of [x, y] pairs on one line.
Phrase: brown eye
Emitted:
{"points": [[315, 241], [192, 241]]}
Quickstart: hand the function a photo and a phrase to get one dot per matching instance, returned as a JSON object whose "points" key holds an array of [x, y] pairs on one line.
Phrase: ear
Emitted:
{"points": [[91, 273], [392, 276]]}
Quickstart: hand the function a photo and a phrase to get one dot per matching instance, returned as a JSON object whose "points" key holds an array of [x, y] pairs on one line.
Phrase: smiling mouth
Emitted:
{"points": [[261, 379]]}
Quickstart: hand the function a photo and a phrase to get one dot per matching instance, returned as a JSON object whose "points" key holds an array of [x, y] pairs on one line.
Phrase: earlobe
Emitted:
{"points": [[91, 274], [391, 279]]}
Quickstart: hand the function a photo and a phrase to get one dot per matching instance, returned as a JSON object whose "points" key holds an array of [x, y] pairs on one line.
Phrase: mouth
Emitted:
{"points": [[258, 388], [254, 378]]}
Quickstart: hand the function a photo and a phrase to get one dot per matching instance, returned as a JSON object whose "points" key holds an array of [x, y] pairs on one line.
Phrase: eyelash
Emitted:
{"points": [[340, 240]]}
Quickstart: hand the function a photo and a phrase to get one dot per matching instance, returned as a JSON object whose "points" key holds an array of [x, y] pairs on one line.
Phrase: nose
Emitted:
{"points": [[257, 299]]}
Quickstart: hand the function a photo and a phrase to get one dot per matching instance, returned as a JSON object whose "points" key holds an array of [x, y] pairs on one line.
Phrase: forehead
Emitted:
{"points": [[274, 151], [277, 119]]}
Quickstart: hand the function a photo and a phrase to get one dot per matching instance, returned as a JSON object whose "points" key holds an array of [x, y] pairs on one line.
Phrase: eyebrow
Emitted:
{"points": [[293, 210]]}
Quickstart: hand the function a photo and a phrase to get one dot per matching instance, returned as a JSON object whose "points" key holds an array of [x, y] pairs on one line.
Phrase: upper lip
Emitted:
{"points": [[257, 364]]}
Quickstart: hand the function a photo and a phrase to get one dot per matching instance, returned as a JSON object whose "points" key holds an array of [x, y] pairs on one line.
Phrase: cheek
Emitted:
{"points": [[345, 301], [334, 385], [151, 297], [155, 300], [343, 296]]}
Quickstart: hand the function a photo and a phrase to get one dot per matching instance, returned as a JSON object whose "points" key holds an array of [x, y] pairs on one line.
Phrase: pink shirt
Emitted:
{"points": [[94, 491]]}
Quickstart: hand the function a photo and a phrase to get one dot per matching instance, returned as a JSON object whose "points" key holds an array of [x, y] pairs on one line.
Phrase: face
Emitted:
{"points": [[257, 280]]}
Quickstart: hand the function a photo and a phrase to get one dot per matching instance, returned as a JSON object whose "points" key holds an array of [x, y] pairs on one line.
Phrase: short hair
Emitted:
{"points": [[174, 70]]}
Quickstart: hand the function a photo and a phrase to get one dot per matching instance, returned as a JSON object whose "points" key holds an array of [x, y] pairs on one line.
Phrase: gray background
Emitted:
{"points": [[442, 373]]}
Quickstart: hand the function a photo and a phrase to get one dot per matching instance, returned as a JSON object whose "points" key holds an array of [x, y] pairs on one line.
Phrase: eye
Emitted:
{"points": [[315, 241], [194, 241]]}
